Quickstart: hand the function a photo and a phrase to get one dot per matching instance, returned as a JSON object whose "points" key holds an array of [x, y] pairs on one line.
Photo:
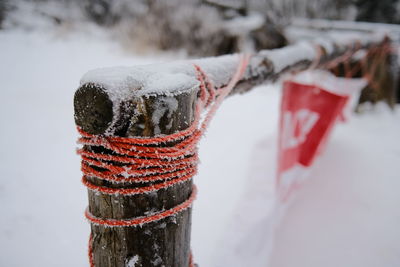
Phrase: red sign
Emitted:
{"points": [[308, 113]]}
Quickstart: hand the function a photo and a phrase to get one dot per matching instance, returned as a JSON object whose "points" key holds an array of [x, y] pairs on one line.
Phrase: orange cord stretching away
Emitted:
{"points": [[141, 159]]}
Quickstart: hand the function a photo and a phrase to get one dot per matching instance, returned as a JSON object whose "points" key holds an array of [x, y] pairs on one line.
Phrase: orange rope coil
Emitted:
{"points": [[132, 160]]}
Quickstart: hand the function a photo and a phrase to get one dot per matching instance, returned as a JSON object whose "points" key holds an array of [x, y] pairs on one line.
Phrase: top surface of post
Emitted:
{"points": [[107, 95]]}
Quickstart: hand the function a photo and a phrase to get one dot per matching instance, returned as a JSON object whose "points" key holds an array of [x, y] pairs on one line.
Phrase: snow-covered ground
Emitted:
{"points": [[345, 215]]}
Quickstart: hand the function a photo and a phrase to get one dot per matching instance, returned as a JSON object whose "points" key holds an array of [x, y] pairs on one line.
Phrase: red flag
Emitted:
{"points": [[308, 114]]}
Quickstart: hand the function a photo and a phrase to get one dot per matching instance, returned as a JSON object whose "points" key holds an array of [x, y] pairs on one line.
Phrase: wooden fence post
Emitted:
{"points": [[161, 243]]}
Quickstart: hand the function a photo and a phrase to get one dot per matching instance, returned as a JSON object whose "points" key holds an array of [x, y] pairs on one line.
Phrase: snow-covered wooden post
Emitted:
{"points": [[141, 102], [161, 243], [160, 100]]}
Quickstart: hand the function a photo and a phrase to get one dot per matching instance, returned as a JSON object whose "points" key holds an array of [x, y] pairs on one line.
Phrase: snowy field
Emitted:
{"points": [[347, 214]]}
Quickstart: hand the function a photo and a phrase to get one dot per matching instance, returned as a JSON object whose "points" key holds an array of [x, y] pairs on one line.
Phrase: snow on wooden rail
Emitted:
{"points": [[118, 90]]}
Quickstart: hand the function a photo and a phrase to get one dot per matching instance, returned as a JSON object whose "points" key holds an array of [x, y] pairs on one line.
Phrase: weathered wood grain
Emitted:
{"points": [[162, 243]]}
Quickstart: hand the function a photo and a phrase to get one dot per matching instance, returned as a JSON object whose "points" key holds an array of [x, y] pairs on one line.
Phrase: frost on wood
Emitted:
{"points": [[131, 262], [134, 92], [166, 105], [288, 56], [144, 103], [162, 79]]}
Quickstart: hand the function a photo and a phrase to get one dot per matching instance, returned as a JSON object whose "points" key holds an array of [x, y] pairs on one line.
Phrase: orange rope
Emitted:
{"points": [[142, 220], [367, 72], [133, 160]]}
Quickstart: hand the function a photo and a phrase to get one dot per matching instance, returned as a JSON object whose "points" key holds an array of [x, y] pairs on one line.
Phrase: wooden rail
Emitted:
{"points": [[136, 102]]}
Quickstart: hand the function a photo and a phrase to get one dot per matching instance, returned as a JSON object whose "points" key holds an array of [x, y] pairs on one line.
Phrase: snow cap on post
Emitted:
{"points": [[107, 98]]}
